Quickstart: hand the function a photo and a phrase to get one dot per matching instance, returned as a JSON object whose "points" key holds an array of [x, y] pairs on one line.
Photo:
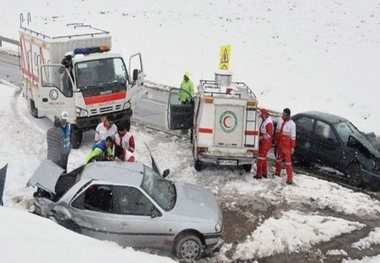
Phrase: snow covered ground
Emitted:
{"points": [[290, 230], [308, 55]]}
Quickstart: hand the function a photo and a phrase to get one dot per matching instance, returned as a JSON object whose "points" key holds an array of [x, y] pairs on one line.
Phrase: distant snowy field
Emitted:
{"points": [[306, 55]]}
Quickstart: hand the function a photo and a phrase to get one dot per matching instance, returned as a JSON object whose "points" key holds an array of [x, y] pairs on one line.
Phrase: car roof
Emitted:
{"points": [[328, 117], [126, 173]]}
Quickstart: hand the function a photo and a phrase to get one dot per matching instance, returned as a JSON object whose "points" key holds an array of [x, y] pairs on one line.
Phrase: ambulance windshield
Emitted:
{"points": [[102, 73]]}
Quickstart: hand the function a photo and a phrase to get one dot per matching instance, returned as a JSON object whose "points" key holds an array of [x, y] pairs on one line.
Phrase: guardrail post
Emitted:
{"points": [[3, 173]]}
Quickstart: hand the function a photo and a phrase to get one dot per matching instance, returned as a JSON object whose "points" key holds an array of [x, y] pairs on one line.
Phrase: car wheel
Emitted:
{"points": [[198, 165], [247, 167], [188, 247], [354, 174]]}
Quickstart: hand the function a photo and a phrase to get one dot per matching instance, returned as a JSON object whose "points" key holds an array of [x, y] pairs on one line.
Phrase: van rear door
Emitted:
{"points": [[180, 116], [229, 125]]}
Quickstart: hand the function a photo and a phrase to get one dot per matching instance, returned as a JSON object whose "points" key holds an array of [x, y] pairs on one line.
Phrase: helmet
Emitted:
{"points": [[64, 115]]}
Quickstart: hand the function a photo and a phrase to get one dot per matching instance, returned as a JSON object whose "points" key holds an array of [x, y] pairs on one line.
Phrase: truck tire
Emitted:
{"points": [[188, 247], [33, 109], [198, 165], [354, 174], [76, 137], [247, 167]]}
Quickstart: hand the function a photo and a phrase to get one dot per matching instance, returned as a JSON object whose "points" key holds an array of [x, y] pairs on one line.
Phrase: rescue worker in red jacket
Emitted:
{"points": [[285, 142], [265, 143]]}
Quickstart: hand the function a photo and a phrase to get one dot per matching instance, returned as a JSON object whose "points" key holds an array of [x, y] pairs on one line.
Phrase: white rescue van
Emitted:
{"points": [[224, 122], [75, 72]]}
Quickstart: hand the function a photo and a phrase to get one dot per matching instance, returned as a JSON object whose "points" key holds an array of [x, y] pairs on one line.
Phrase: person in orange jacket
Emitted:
{"points": [[265, 144], [285, 142]]}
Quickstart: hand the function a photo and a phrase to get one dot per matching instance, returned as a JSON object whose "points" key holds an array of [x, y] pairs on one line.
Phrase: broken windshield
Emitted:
{"points": [[345, 129]]}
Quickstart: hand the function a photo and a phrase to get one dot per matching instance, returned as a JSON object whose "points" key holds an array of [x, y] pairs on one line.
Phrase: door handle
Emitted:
{"points": [[44, 99]]}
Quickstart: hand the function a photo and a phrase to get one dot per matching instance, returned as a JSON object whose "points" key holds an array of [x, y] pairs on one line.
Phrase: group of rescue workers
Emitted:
{"points": [[284, 140], [117, 143], [111, 142]]}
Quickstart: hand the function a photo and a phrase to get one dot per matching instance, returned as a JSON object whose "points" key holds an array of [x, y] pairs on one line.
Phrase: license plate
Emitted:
{"points": [[227, 162]]}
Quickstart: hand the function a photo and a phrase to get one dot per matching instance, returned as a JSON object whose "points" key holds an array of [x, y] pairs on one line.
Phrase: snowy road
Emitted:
{"points": [[311, 221]]}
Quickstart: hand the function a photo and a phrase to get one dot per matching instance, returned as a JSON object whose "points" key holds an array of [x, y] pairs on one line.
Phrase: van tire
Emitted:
{"points": [[198, 165], [33, 109], [247, 167], [76, 137]]}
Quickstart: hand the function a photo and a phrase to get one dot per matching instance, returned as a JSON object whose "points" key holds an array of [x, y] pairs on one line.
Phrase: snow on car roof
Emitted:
{"points": [[331, 118], [115, 172]]}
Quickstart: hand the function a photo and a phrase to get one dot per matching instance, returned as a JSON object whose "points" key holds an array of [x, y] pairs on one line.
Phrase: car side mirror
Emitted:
{"points": [[165, 173], [135, 74], [155, 213]]}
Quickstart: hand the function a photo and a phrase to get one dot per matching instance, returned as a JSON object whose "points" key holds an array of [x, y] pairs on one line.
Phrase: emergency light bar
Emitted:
{"points": [[89, 50]]}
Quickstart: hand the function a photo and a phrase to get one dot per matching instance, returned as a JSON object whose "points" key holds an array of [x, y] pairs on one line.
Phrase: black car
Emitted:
{"points": [[335, 142]]}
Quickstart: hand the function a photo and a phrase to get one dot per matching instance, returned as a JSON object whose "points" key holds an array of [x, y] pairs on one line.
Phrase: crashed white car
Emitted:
{"points": [[131, 204]]}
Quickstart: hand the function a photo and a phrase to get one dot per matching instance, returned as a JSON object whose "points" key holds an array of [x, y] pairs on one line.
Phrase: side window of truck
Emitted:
{"points": [[58, 77]]}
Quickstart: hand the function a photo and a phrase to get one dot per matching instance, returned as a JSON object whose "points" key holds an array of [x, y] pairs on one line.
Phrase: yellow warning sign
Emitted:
{"points": [[225, 57]]}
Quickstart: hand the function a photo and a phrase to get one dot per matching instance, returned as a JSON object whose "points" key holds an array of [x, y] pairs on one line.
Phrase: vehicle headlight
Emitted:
{"points": [[127, 105], [219, 225], [81, 112]]}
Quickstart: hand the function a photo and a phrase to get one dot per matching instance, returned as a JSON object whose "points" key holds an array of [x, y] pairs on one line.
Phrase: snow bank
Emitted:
{"points": [[294, 231], [336, 252], [372, 239], [309, 191], [30, 238], [374, 259]]}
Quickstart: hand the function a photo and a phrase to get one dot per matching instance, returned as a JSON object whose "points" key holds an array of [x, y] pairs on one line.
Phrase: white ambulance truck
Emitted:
{"points": [[75, 72], [224, 122]]}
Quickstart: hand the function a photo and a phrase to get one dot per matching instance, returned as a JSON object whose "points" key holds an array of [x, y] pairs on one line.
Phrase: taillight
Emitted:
{"points": [[251, 103], [209, 100], [202, 149], [254, 152]]}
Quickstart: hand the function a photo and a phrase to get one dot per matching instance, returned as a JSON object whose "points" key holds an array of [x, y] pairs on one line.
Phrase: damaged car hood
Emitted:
{"points": [[370, 142], [46, 176]]}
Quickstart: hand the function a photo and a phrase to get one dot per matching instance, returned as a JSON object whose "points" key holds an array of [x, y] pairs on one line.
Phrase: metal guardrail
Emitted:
{"points": [[8, 40]]}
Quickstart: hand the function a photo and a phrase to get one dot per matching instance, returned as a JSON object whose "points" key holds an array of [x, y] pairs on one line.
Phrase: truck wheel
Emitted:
{"points": [[188, 247], [33, 109], [247, 167], [198, 165], [76, 137], [354, 175]]}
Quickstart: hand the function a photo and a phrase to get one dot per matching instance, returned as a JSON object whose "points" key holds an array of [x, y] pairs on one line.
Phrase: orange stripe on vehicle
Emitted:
{"points": [[105, 98], [247, 132], [205, 130]]}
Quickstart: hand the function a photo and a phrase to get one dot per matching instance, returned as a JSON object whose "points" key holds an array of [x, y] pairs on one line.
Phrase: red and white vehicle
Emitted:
{"points": [[91, 82], [224, 122]]}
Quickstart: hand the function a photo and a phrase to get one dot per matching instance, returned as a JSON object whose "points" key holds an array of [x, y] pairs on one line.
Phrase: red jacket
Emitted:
{"points": [[266, 132], [286, 134]]}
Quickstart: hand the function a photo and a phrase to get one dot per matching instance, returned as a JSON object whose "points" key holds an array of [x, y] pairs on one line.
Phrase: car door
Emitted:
{"points": [[120, 214], [139, 219], [326, 147], [304, 126], [180, 116]]}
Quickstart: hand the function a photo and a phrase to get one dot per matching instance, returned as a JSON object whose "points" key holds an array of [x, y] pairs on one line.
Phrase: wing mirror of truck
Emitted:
{"points": [[166, 173], [135, 74]]}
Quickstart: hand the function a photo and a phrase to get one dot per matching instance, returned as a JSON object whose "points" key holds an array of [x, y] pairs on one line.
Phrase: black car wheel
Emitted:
{"points": [[247, 167], [198, 165], [354, 174], [188, 247]]}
